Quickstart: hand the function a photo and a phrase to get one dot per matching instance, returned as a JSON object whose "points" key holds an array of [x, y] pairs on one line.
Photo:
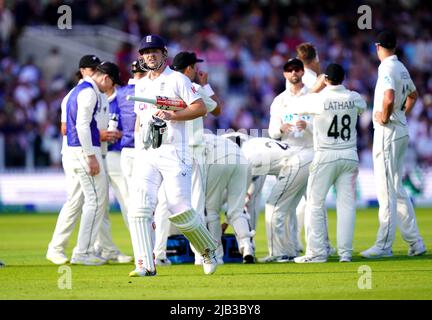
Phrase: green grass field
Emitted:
{"points": [[28, 275]]}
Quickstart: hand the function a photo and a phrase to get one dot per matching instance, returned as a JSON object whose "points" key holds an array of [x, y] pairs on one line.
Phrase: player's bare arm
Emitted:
{"points": [[109, 136], [388, 102], [63, 128], [196, 109], [410, 101], [202, 78], [319, 84]]}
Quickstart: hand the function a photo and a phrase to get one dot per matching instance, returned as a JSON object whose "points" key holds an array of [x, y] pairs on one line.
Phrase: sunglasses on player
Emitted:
{"points": [[291, 69]]}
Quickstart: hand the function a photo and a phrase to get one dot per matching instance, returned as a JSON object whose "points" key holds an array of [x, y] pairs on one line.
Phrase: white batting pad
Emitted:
{"points": [[191, 226], [141, 231]]}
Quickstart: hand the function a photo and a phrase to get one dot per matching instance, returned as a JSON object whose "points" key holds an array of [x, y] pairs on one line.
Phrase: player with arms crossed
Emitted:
{"points": [[395, 95], [335, 162], [164, 156]]}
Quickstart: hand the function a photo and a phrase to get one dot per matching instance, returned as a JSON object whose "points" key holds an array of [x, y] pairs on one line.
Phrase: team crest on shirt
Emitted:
{"points": [[193, 90], [290, 117]]}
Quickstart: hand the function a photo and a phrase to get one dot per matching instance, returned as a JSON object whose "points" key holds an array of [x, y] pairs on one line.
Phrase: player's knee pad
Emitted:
{"points": [[190, 224]]}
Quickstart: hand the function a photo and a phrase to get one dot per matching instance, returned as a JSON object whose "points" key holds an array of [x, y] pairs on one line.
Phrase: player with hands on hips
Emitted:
{"points": [[166, 159], [395, 96]]}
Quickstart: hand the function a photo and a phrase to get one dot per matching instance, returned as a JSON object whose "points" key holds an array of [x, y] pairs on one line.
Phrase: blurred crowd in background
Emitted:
{"points": [[244, 45]]}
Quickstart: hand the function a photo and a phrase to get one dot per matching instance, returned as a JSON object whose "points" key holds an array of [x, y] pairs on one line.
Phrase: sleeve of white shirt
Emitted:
{"points": [[86, 103], [385, 79], [209, 102], [360, 103], [186, 91], [411, 86], [275, 120]]}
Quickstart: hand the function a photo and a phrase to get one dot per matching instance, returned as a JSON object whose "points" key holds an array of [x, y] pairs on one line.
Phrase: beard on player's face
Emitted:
{"points": [[294, 79]]}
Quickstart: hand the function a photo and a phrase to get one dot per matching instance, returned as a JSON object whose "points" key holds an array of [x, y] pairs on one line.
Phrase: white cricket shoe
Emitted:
{"points": [[163, 262], [57, 258], [2, 264], [210, 262], [116, 257], [88, 260], [310, 259], [142, 273], [417, 249], [375, 253], [345, 259]]}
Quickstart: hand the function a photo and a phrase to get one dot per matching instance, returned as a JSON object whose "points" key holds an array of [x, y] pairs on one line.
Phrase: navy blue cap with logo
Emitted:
{"points": [[151, 42]]}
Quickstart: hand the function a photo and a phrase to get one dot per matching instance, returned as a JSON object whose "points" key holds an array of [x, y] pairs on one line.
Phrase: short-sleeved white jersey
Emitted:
{"points": [[335, 111], [393, 75], [196, 126], [281, 112], [170, 84]]}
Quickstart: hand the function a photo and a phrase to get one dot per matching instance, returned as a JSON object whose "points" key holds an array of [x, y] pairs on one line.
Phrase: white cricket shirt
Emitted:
{"points": [[393, 75], [170, 84], [336, 110], [281, 112]]}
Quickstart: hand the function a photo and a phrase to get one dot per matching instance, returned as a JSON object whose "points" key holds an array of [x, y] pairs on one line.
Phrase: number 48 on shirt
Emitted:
{"points": [[345, 130]]}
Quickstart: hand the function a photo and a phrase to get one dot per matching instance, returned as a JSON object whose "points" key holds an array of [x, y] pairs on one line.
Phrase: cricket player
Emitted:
{"points": [[185, 62], [164, 156], [73, 207], [84, 146], [266, 157], [335, 162], [395, 96], [227, 171], [68, 215], [295, 130]]}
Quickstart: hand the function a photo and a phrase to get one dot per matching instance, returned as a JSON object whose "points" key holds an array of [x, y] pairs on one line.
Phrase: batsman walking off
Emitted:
{"points": [[395, 96], [164, 156]]}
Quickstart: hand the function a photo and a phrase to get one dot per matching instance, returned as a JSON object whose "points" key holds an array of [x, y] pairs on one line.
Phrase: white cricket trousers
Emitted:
{"points": [[229, 178], [338, 168], [118, 181], [395, 207], [151, 167], [104, 243], [71, 209], [94, 189], [280, 209], [164, 228], [126, 162]]}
